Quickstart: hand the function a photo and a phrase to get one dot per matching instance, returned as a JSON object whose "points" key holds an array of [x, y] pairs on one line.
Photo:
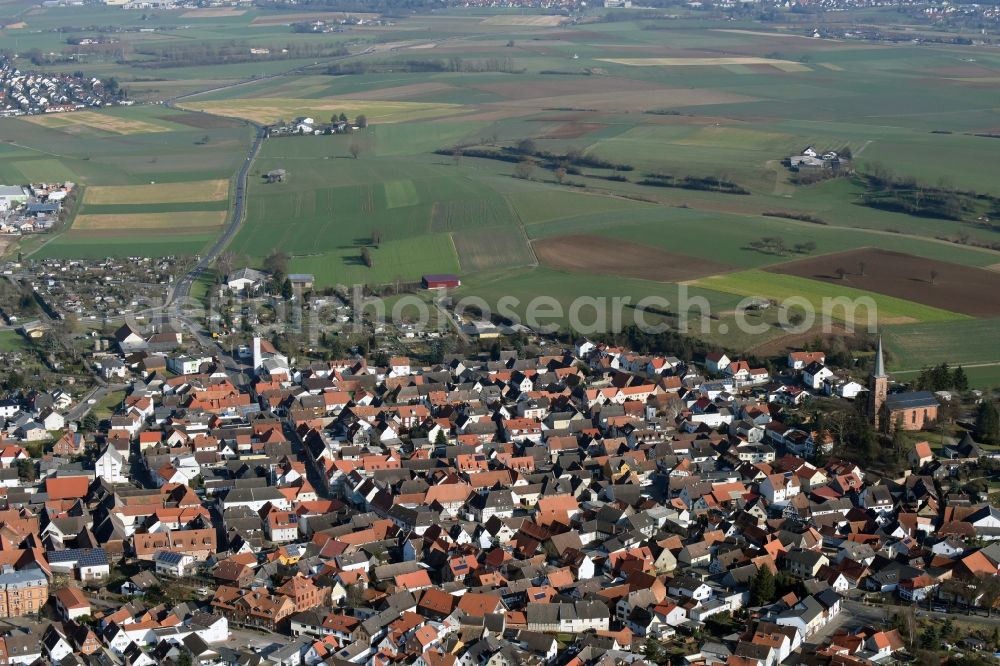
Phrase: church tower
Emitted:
{"points": [[878, 388]]}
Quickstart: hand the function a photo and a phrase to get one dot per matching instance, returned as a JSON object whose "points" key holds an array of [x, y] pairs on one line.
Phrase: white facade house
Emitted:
{"points": [[173, 564], [186, 365], [111, 466], [815, 374]]}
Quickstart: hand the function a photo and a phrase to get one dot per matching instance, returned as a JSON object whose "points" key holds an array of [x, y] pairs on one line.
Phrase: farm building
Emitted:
{"points": [[303, 280], [275, 176], [11, 195], [442, 281]]}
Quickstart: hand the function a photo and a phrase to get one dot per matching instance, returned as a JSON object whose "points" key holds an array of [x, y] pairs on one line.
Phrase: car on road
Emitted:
{"points": [[939, 609]]}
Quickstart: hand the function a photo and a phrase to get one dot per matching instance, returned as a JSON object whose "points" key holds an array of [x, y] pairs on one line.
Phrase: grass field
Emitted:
{"points": [[87, 245], [404, 260], [43, 170], [888, 310], [492, 248], [331, 204], [679, 97], [918, 345], [198, 191], [11, 341]]}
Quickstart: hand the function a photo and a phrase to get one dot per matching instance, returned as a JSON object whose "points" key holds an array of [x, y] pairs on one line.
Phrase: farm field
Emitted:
{"points": [[401, 260], [936, 283], [266, 110], [888, 310], [143, 194], [492, 248], [915, 346], [783, 65], [604, 256], [605, 106], [191, 192], [90, 245], [126, 223], [84, 122], [563, 288]]}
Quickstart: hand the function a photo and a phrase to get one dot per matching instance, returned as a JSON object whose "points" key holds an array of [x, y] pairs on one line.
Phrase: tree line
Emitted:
{"points": [[476, 65], [233, 51]]}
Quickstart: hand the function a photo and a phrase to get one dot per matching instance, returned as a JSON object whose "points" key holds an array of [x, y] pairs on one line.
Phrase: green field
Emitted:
{"points": [[920, 345], [10, 341], [404, 260], [80, 245], [492, 248], [462, 77]]}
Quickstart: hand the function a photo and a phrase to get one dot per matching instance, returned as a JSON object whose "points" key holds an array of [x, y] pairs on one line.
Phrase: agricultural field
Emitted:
{"points": [[492, 248], [149, 193], [268, 110], [92, 122], [766, 285], [392, 261], [125, 223], [633, 125], [604, 256], [919, 279], [915, 346], [163, 193]]}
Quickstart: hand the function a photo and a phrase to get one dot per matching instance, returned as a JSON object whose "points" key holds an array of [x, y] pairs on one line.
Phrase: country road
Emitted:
{"points": [[178, 295], [182, 288]]}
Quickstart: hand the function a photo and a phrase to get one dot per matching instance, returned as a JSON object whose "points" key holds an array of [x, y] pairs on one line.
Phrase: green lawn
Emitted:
{"points": [[11, 341], [106, 407]]}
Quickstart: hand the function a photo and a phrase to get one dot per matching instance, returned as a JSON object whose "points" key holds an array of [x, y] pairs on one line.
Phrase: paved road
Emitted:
{"points": [[96, 394], [181, 289], [884, 612]]}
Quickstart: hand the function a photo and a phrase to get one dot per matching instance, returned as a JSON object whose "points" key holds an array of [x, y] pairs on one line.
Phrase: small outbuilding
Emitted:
{"points": [[442, 281]]}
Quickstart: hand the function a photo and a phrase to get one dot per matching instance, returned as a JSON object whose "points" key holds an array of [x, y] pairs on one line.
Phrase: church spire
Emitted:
{"points": [[879, 360]]}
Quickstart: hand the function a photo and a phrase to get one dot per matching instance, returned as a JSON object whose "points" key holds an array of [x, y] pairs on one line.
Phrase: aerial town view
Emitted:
{"points": [[499, 332]]}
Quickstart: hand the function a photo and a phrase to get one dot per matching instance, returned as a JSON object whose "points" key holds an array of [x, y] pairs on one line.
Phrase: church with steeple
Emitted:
{"points": [[912, 410], [878, 388]]}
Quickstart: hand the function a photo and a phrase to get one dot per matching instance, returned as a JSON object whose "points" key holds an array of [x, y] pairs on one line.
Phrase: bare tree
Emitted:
{"points": [[456, 155], [934, 277], [861, 268], [561, 175], [376, 237], [355, 150], [524, 169], [224, 264], [366, 257], [526, 146], [841, 273]]}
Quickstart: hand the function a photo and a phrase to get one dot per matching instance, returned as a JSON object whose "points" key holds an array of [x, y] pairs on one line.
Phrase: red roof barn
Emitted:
{"points": [[443, 281]]}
